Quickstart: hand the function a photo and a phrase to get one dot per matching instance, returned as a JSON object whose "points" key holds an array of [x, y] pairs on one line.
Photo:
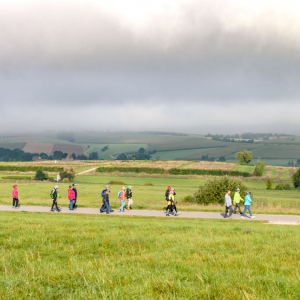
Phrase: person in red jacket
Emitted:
{"points": [[71, 197], [15, 196]]}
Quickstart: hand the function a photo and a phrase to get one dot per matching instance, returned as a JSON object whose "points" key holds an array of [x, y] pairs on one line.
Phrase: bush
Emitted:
{"points": [[66, 180], [40, 175], [30, 168], [296, 178], [67, 174], [282, 186], [117, 182], [148, 184], [214, 190], [259, 168], [269, 184], [244, 157], [189, 199], [131, 169], [175, 171]]}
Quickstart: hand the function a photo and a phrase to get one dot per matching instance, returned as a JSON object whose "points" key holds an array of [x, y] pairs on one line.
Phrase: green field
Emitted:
{"points": [[244, 168], [60, 256]]}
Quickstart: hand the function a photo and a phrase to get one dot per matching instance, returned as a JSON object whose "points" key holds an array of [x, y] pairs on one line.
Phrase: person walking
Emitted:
{"points": [[71, 197], [236, 201], [102, 209], [15, 196], [129, 196], [122, 199], [106, 202], [54, 194], [228, 204], [248, 202], [75, 191], [171, 203]]}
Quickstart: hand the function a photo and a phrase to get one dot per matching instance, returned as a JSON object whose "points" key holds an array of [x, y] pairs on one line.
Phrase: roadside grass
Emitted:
{"points": [[46, 256]]}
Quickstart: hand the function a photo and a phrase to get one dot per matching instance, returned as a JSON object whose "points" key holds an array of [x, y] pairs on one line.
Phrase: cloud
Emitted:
{"points": [[181, 56]]}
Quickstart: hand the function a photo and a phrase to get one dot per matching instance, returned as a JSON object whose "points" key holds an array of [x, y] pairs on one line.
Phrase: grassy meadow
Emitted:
{"points": [[60, 256]]}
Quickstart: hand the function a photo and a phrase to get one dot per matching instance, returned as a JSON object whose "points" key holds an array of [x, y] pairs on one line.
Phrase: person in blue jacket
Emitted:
{"points": [[247, 204]]}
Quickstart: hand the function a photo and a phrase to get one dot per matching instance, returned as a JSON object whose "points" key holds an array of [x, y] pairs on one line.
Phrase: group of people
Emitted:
{"points": [[236, 201], [124, 193], [127, 194]]}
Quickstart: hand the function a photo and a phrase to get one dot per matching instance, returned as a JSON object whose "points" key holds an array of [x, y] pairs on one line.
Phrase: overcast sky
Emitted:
{"points": [[214, 66]]}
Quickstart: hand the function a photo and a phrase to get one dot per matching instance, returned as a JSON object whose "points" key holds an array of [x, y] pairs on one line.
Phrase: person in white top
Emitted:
{"points": [[228, 205]]}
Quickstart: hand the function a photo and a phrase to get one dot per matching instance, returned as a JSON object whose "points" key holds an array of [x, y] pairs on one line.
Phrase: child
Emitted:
{"points": [[15, 197], [129, 196], [122, 199]]}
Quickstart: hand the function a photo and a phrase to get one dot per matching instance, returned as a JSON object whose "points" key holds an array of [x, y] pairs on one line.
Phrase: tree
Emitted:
{"points": [[74, 156], [259, 168], [122, 157], [104, 148], [40, 175], [67, 174], [269, 184], [94, 156], [222, 158], [244, 157], [141, 150], [296, 178]]}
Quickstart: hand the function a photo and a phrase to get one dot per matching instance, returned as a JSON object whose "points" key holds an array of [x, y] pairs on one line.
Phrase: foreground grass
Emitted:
{"points": [[59, 256]]}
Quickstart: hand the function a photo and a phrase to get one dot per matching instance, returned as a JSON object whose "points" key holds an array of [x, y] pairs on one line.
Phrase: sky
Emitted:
{"points": [[218, 66]]}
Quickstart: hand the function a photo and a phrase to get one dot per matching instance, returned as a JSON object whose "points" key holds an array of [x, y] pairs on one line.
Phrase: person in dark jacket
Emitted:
{"points": [[167, 194], [54, 194], [75, 191], [106, 202], [129, 196], [102, 209]]}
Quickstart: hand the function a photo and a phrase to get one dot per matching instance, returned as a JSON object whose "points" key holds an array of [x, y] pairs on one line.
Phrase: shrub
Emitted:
{"points": [[189, 199], [117, 182], [131, 169], [244, 157], [283, 186], [148, 184], [40, 175], [30, 168], [269, 184], [259, 168], [69, 174], [175, 171], [296, 178], [214, 190], [66, 180]]}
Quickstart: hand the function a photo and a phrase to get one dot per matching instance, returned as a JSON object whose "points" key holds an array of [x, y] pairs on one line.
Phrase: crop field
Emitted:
{"points": [[244, 168], [206, 165], [113, 149], [278, 151], [111, 257], [12, 145]]}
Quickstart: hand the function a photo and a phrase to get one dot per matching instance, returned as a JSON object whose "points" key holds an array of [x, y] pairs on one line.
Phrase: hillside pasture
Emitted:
{"points": [[12, 146], [38, 148]]}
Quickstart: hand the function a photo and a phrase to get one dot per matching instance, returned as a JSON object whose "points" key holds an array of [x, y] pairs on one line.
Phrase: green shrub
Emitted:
{"points": [[189, 199], [117, 182], [259, 168], [214, 190], [175, 171], [296, 178], [131, 169], [269, 184], [40, 175], [69, 174], [30, 168], [17, 177], [283, 186]]}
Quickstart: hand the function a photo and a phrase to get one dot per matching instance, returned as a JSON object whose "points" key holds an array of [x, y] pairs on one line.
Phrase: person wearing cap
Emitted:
{"points": [[71, 197], [104, 204], [122, 199], [129, 196], [15, 196], [171, 203], [247, 204], [75, 191], [228, 204], [54, 194], [236, 201]]}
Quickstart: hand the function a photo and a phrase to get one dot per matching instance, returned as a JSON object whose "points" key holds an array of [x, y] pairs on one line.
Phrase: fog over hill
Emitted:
{"points": [[181, 66]]}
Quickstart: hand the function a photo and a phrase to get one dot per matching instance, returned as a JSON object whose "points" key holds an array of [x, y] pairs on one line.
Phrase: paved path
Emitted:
{"points": [[151, 213], [90, 170]]}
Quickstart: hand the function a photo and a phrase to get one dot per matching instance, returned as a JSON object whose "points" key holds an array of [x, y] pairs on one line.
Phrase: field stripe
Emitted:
{"points": [[274, 173]]}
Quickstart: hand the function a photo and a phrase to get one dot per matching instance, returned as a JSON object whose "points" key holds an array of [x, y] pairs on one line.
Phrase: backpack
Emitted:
{"points": [[52, 193], [103, 192], [119, 195]]}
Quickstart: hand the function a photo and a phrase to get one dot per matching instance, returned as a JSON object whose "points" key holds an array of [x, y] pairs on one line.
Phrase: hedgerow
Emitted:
{"points": [[30, 168], [131, 169], [175, 171]]}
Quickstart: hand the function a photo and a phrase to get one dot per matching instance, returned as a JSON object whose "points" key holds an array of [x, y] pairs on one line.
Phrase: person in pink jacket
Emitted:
{"points": [[15, 196], [71, 197]]}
